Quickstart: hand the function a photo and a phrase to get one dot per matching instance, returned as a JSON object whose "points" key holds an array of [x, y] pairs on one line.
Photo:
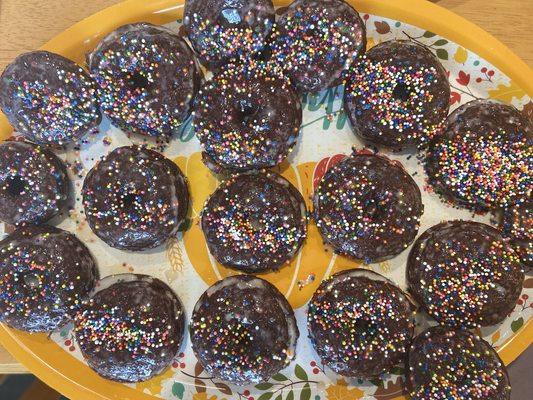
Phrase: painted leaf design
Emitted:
{"points": [[461, 55], [440, 42], [340, 391], [390, 390], [517, 324], [507, 93], [429, 34], [528, 283], [264, 386], [455, 97], [442, 54], [305, 394], [280, 377], [265, 396], [382, 27], [290, 396], [178, 390], [223, 388], [370, 43], [300, 373], [495, 337]]}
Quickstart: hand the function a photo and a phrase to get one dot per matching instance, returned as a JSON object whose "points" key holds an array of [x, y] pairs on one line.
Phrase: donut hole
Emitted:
{"points": [[256, 223], [32, 281], [138, 80], [245, 111], [128, 201], [402, 92], [15, 185], [377, 209]]}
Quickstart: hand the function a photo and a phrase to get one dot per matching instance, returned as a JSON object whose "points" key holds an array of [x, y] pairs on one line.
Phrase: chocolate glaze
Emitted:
{"points": [[368, 207], [48, 98], [34, 185], [360, 323], [464, 274], [455, 365], [135, 198], [243, 330], [517, 224], [131, 328], [332, 29], [482, 159], [45, 273], [220, 30], [255, 222], [147, 78], [398, 95], [247, 117]]}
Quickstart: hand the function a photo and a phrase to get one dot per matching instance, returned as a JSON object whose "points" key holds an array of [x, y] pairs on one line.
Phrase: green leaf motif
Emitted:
{"points": [[300, 373], [342, 117], [186, 131], [290, 396], [429, 34], [178, 390], [305, 394], [442, 54], [265, 396], [264, 386], [517, 324], [279, 377], [279, 397], [440, 42]]}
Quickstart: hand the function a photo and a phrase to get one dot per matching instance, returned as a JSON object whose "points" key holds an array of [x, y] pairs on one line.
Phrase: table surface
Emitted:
{"points": [[28, 24]]}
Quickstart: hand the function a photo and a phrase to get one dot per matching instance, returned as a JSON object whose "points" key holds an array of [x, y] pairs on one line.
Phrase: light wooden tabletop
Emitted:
{"points": [[28, 24]]}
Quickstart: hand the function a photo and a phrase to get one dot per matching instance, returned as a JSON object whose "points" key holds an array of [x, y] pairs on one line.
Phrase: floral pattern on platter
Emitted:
{"points": [[186, 265]]}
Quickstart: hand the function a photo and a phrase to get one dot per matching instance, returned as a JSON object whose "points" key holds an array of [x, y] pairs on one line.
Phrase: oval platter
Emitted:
{"points": [[479, 66]]}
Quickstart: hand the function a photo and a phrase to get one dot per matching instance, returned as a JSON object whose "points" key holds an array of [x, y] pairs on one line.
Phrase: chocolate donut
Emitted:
{"points": [[464, 274], [135, 198], [147, 78], [131, 328], [243, 330], [255, 222], [34, 185], [360, 323], [220, 30], [48, 98], [316, 41], [483, 157], [517, 224], [368, 207], [45, 273], [455, 365], [247, 117], [398, 95]]}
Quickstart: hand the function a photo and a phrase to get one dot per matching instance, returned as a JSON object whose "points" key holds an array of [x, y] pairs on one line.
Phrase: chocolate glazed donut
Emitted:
{"points": [[517, 224], [255, 222], [368, 207], [464, 274]]}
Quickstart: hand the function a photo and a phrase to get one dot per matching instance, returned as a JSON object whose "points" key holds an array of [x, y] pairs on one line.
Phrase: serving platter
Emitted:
{"points": [[479, 67]]}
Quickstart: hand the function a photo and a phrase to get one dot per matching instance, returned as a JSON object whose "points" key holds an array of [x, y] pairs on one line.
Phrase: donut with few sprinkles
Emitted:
{"points": [[48, 98], [465, 274], [247, 117], [45, 274], [455, 365], [360, 323], [368, 207], [255, 222], [243, 330], [135, 198], [398, 95], [220, 30], [131, 328], [34, 185], [147, 78], [317, 41], [483, 157], [517, 224]]}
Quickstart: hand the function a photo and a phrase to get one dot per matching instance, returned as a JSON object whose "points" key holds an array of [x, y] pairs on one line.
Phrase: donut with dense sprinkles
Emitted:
{"points": [[247, 117], [243, 330], [483, 157], [45, 273], [255, 222], [135, 198], [48, 98], [147, 78], [455, 365], [317, 41], [131, 328], [464, 274], [360, 323], [398, 95], [368, 207], [220, 30], [517, 224], [34, 185]]}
